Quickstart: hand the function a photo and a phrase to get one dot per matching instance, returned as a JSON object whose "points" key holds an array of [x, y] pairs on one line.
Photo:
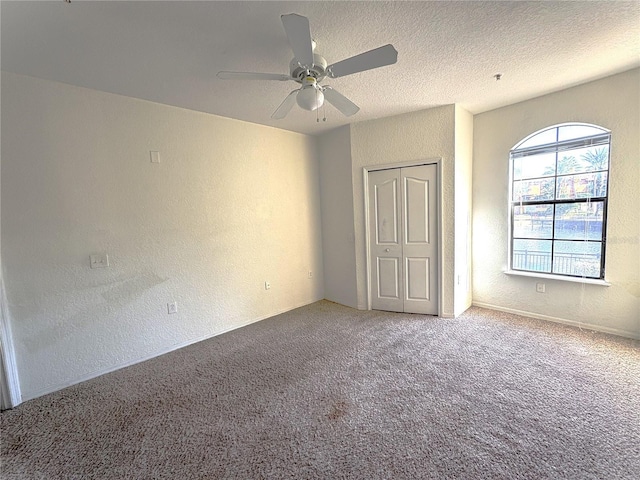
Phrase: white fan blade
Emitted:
{"points": [[378, 57], [252, 76], [342, 103], [299, 35], [285, 106]]}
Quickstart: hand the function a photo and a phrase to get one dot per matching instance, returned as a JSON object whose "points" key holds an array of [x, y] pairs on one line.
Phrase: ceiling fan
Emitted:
{"points": [[309, 68]]}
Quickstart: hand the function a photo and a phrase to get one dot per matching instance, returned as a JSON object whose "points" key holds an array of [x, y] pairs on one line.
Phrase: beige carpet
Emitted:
{"points": [[327, 392]]}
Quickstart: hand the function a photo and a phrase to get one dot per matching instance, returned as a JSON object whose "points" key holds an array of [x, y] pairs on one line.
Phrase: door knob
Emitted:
{"points": [[387, 249]]}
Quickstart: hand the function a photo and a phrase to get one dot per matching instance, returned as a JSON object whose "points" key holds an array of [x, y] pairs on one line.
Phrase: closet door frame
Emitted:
{"points": [[365, 171]]}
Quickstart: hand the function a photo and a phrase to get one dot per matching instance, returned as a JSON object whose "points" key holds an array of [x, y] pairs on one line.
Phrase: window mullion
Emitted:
{"points": [[553, 236], [555, 198]]}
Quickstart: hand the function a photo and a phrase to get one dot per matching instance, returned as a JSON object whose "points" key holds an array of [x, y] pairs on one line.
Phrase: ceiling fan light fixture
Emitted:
{"points": [[310, 98]]}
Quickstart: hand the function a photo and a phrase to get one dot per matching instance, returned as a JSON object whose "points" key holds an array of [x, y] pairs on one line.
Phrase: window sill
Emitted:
{"points": [[590, 281]]}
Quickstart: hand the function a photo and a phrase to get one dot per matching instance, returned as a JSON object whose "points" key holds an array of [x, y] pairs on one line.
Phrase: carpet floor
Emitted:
{"points": [[328, 392]]}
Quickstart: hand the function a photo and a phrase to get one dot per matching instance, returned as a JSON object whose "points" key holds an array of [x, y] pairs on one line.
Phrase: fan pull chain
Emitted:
{"points": [[317, 118], [324, 112]]}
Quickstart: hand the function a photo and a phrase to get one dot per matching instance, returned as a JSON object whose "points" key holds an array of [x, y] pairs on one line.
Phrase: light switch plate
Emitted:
{"points": [[155, 157]]}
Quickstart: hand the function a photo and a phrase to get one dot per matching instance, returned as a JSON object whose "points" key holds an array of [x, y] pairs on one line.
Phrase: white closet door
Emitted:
{"points": [[420, 239], [404, 239], [385, 240]]}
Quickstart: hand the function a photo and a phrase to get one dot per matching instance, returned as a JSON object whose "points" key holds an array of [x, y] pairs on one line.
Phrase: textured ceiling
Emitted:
{"points": [[170, 52]]}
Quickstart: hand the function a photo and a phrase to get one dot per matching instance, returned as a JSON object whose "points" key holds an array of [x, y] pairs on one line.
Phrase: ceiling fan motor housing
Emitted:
{"points": [[318, 70]]}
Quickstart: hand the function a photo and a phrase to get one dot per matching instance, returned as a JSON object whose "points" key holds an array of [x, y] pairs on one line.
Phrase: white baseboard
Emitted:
{"points": [[98, 373], [589, 326]]}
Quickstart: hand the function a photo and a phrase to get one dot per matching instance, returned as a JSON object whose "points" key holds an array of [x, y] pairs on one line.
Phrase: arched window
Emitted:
{"points": [[558, 183]]}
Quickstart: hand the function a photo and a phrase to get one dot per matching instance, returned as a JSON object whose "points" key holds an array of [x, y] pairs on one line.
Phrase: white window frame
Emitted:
{"points": [[603, 137]]}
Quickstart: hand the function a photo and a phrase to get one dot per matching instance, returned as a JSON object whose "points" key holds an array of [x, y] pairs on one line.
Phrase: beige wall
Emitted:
{"points": [[613, 103], [230, 205], [463, 208], [411, 137], [337, 217], [443, 133]]}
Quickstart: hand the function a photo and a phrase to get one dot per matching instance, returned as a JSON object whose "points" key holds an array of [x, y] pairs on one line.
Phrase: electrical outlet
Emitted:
{"points": [[267, 285], [540, 287], [99, 260], [172, 307]]}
